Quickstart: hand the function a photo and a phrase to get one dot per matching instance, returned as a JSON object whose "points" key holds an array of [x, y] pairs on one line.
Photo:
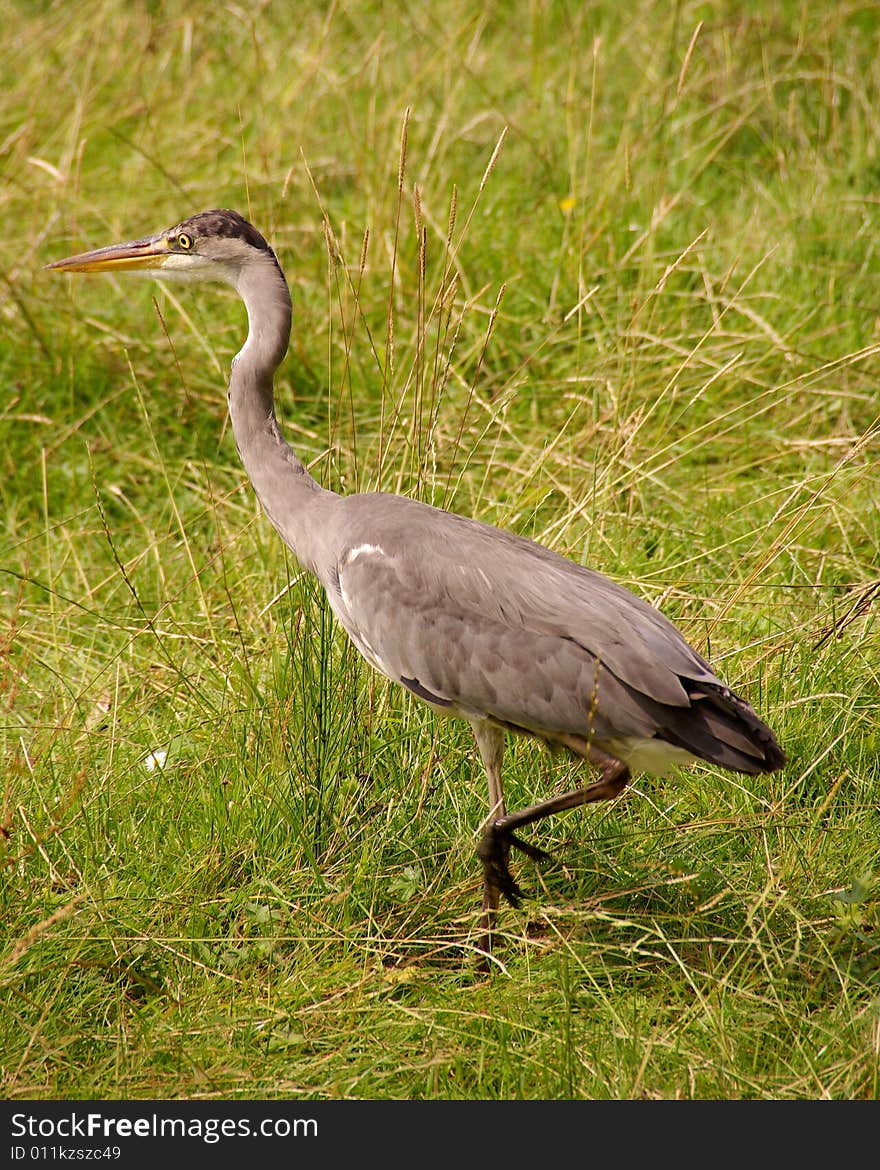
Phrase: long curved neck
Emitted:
{"points": [[283, 486]]}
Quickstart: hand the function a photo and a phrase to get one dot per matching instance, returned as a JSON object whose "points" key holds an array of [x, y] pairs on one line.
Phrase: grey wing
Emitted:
{"points": [[450, 563], [470, 634], [486, 624]]}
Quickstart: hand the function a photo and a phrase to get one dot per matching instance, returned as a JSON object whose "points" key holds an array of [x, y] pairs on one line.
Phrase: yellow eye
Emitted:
{"points": [[184, 242]]}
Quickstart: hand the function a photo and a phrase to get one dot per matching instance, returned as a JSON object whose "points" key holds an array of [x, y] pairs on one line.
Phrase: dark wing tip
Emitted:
{"points": [[736, 723], [722, 728], [774, 756]]}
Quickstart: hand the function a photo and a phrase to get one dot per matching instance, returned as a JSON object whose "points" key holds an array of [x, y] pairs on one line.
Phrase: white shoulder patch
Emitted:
{"points": [[347, 559], [362, 550]]}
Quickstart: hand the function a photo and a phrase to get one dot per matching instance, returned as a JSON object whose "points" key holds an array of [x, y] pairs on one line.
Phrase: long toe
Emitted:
{"points": [[531, 851]]}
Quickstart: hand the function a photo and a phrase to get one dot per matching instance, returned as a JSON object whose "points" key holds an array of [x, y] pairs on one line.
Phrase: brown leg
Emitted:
{"points": [[615, 777], [494, 849], [500, 835]]}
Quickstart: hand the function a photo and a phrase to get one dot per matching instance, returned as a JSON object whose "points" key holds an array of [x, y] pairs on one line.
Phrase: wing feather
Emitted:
{"points": [[460, 570]]}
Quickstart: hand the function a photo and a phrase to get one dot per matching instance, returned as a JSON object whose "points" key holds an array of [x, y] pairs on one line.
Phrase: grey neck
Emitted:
{"points": [[283, 486]]}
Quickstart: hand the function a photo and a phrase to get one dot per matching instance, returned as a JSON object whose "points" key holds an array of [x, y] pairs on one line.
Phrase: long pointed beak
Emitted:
{"points": [[149, 253]]}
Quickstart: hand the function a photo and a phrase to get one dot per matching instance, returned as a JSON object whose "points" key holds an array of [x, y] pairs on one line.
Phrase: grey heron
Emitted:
{"points": [[473, 620]]}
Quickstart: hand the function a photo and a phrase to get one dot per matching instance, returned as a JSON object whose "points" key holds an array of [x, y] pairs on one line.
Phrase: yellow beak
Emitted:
{"points": [[150, 253]]}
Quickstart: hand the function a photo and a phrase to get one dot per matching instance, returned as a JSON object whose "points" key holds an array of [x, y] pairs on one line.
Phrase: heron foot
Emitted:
{"points": [[494, 850]]}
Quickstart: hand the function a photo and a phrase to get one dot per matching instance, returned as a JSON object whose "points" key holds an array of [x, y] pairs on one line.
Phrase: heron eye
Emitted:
{"points": [[184, 242]]}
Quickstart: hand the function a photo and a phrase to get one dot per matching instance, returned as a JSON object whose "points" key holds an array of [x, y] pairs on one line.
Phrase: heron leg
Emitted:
{"points": [[498, 837], [500, 832], [496, 874]]}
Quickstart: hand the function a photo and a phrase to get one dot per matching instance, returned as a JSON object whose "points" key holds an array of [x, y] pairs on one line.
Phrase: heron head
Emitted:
{"points": [[213, 245]]}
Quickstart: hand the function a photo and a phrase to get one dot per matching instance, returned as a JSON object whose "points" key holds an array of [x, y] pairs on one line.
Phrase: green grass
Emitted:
{"points": [[646, 334]]}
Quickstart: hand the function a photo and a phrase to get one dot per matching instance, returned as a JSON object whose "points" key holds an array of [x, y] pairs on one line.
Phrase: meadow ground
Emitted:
{"points": [[605, 276]]}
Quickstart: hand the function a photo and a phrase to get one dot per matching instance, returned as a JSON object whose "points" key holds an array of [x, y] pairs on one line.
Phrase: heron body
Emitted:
{"points": [[473, 620]]}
